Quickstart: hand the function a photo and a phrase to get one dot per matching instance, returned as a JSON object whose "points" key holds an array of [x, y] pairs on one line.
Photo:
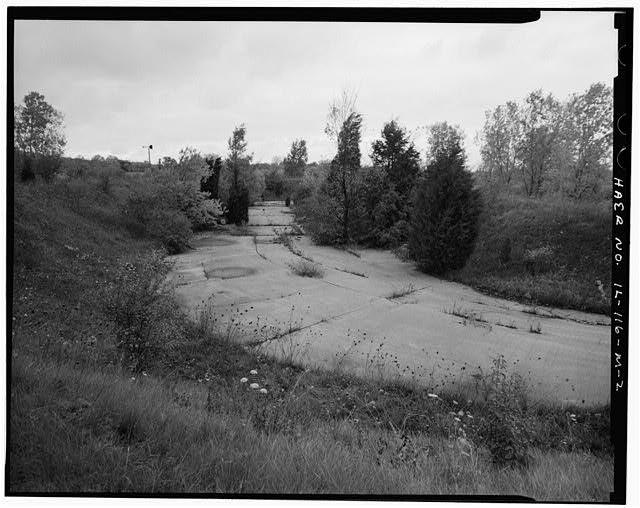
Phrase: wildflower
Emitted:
{"points": [[457, 419], [254, 386], [432, 395], [461, 413], [254, 372], [263, 390], [455, 402], [244, 380]]}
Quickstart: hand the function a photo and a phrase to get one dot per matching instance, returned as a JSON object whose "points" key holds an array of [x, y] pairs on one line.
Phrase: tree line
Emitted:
{"points": [[426, 205]]}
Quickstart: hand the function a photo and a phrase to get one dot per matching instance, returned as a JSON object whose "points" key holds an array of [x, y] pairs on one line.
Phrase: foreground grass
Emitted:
{"points": [[81, 421], [76, 430]]}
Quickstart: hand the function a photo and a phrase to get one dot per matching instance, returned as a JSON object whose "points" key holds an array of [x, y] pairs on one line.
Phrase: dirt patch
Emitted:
{"points": [[229, 272]]}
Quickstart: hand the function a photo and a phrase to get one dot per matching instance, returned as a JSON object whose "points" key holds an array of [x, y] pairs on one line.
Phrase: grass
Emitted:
{"points": [[139, 435], [527, 249], [85, 418]]}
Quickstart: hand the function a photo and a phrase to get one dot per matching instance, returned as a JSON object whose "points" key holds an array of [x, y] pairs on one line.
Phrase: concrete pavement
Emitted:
{"points": [[372, 313]]}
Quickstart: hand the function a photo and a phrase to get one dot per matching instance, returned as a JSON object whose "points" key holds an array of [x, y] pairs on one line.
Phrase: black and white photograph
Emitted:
{"points": [[318, 252]]}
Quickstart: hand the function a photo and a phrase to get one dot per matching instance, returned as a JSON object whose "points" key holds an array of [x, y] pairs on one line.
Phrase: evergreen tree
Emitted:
{"points": [[395, 153], [296, 160], [444, 217]]}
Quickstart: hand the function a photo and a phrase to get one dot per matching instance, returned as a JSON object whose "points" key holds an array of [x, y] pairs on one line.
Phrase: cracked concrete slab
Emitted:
{"points": [[430, 329]]}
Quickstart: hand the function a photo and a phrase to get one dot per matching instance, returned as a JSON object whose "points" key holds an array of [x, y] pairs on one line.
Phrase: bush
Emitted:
{"points": [[146, 318], [320, 220], [444, 217], [305, 268], [146, 215]]}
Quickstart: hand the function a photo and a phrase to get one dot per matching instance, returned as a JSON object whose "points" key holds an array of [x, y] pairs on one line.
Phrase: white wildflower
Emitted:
{"points": [[461, 413], [254, 372], [263, 390], [432, 395], [244, 380], [254, 386]]}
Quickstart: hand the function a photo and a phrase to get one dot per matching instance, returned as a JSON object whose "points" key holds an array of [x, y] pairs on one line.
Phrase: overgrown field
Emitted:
{"points": [[114, 390], [543, 251]]}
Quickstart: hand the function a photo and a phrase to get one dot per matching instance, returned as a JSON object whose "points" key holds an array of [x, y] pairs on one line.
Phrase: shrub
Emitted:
{"points": [[320, 218], [305, 268], [444, 217], [146, 215], [146, 318]]}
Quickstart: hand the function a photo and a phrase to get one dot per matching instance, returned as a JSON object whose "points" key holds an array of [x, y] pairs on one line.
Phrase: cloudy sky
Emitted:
{"points": [[122, 85]]}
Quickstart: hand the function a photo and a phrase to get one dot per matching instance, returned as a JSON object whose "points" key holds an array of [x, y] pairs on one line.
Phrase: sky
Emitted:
{"points": [[123, 85]]}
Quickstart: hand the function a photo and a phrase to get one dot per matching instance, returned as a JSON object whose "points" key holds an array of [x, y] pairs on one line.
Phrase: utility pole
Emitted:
{"points": [[149, 148]]}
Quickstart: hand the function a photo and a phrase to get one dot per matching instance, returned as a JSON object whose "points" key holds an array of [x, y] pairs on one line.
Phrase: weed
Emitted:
{"points": [[404, 291], [304, 268], [535, 327]]}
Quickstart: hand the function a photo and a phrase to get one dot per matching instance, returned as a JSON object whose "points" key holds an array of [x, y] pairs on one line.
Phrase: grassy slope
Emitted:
{"points": [[79, 422], [578, 237]]}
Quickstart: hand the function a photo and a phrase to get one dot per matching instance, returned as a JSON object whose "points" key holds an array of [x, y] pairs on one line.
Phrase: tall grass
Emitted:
{"points": [[107, 431]]}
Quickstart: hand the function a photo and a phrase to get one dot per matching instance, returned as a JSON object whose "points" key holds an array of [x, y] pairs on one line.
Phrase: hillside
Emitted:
{"points": [[543, 252]]}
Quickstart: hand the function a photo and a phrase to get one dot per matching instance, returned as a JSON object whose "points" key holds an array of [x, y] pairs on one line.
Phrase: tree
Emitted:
{"points": [[539, 127], [238, 166], [211, 179], [38, 135], [331, 208], [444, 217], [296, 159], [342, 177], [444, 141], [499, 144], [395, 153], [237, 160], [584, 149]]}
